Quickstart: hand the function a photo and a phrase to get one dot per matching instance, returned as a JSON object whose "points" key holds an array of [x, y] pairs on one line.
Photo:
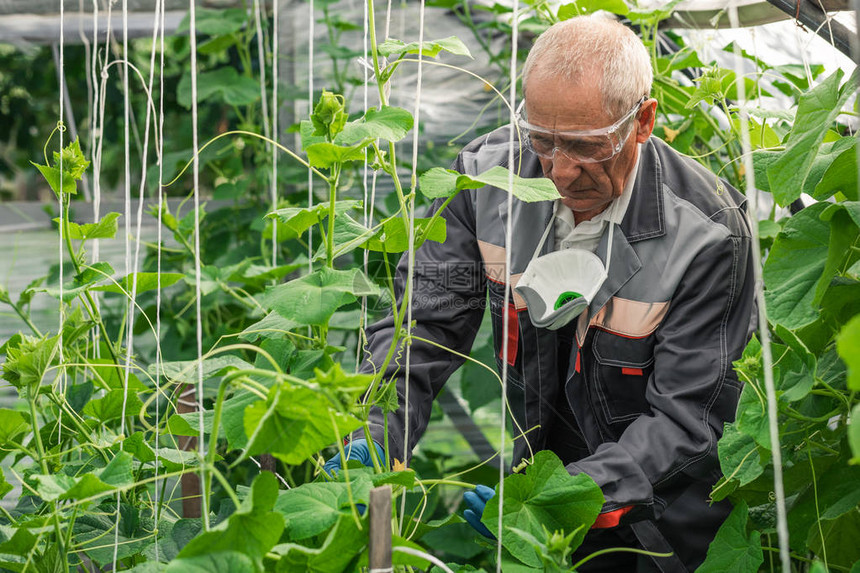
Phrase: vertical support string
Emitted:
{"points": [[506, 317], [127, 219], [158, 357], [274, 190], [310, 110], [62, 80], [201, 443], [764, 332], [411, 254], [368, 214]]}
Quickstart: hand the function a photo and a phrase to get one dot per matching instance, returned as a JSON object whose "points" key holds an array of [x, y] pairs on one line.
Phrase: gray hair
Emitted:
{"points": [[586, 45]]}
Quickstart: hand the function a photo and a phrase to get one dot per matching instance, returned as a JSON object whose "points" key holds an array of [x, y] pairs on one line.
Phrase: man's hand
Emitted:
{"points": [[477, 501], [355, 450]]}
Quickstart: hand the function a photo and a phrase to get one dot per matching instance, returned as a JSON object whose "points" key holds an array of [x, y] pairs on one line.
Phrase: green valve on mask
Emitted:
{"points": [[565, 298]]}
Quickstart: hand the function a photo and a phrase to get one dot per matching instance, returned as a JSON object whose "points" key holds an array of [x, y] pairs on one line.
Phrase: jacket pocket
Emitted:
{"points": [[621, 369]]}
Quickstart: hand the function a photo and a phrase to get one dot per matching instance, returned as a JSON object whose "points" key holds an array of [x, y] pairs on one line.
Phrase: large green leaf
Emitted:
{"points": [[848, 346], [224, 84], [217, 561], [546, 496], [273, 325], [341, 547], [28, 361], [394, 237], [582, 7], [430, 49], [733, 549], [389, 123], [438, 182], [817, 109], [82, 282], [294, 423], [844, 219], [834, 493], [117, 473], [186, 370], [325, 154], [106, 228], [739, 461], [297, 220], [110, 406], [252, 530], [840, 538], [840, 173], [313, 299], [312, 508], [145, 282], [793, 267], [12, 425], [215, 22]]}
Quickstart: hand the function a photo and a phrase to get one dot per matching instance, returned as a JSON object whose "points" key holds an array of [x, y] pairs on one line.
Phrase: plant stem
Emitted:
{"points": [[332, 197]]}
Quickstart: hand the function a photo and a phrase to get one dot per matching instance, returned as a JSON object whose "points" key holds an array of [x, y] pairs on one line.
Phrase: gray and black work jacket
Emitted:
{"points": [[644, 384]]}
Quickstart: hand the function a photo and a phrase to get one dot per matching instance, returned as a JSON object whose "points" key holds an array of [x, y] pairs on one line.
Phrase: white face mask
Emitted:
{"points": [[559, 286]]}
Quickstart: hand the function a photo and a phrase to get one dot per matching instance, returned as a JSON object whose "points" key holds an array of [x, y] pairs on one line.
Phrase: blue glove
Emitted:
{"points": [[355, 450], [477, 501]]}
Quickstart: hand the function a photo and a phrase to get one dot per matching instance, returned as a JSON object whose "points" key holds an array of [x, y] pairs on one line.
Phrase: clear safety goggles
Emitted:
{"points": [[584, 146]]}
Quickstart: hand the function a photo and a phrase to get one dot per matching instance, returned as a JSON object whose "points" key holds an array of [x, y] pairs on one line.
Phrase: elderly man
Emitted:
{"points": [[633, 391]]}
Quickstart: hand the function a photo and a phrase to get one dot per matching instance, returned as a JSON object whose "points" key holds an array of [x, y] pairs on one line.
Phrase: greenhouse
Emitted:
{"points": [[437, 285]]}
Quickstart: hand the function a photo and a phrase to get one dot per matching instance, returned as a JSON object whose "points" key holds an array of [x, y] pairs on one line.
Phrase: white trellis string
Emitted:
{"points": [[368, 214], [767, 359], [158, 357], [201, 443], [310, 111], [261, 58], [127, 211], [274, 189], [413, 188], [62, 78], [508, 247]]}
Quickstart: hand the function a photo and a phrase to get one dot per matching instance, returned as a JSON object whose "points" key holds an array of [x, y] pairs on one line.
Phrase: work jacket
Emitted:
{"points": [[645, 382]]}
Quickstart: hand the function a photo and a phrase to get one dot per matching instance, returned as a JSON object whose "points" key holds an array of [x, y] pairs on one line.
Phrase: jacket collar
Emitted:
{"points": [[644, 218]]}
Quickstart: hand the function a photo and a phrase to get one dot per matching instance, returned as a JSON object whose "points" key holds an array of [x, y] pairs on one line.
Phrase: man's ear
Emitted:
{"points": [[645, 120]]}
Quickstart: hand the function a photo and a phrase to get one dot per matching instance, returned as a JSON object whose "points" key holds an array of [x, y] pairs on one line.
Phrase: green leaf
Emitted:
{"points": [[72, 160], [52, 176], [839, 173], [389, 123], [430, 49], [145, 282], [12, 425], [816, 111], [294, 423], [848, 346], [272, 326], [116, 474], [739, 461], [794, 266], [215, 22], [106, 228], [5, 486], [844, 219], [232, 561], [733, 549], [325, 154], [82, 282], [110, 407], [224, 84], [752, 416], [27, 362], [185, 371], [583, 7], [394, 237], [313, 508], [836, 493], [438, 182], [546, 496], [299, 219], [840, 539], [252, 530], [314, 298], [341, 547]]}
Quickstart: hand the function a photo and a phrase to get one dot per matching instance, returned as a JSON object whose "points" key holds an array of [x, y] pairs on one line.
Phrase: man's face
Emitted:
{"points": [[585, 188]]}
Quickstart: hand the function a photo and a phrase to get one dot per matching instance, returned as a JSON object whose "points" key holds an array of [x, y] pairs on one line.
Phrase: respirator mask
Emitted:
{"points": [[559, 286]]}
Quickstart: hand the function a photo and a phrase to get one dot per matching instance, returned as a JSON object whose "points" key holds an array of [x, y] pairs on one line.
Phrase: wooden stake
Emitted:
{"points": [[380, 530]]}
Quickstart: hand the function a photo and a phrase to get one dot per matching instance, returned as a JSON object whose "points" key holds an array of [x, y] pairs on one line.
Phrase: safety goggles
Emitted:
{"points": [[585, 146]]}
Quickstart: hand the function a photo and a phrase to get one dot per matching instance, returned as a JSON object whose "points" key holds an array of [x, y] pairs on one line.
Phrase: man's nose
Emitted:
{"points": [[564, 168]]}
